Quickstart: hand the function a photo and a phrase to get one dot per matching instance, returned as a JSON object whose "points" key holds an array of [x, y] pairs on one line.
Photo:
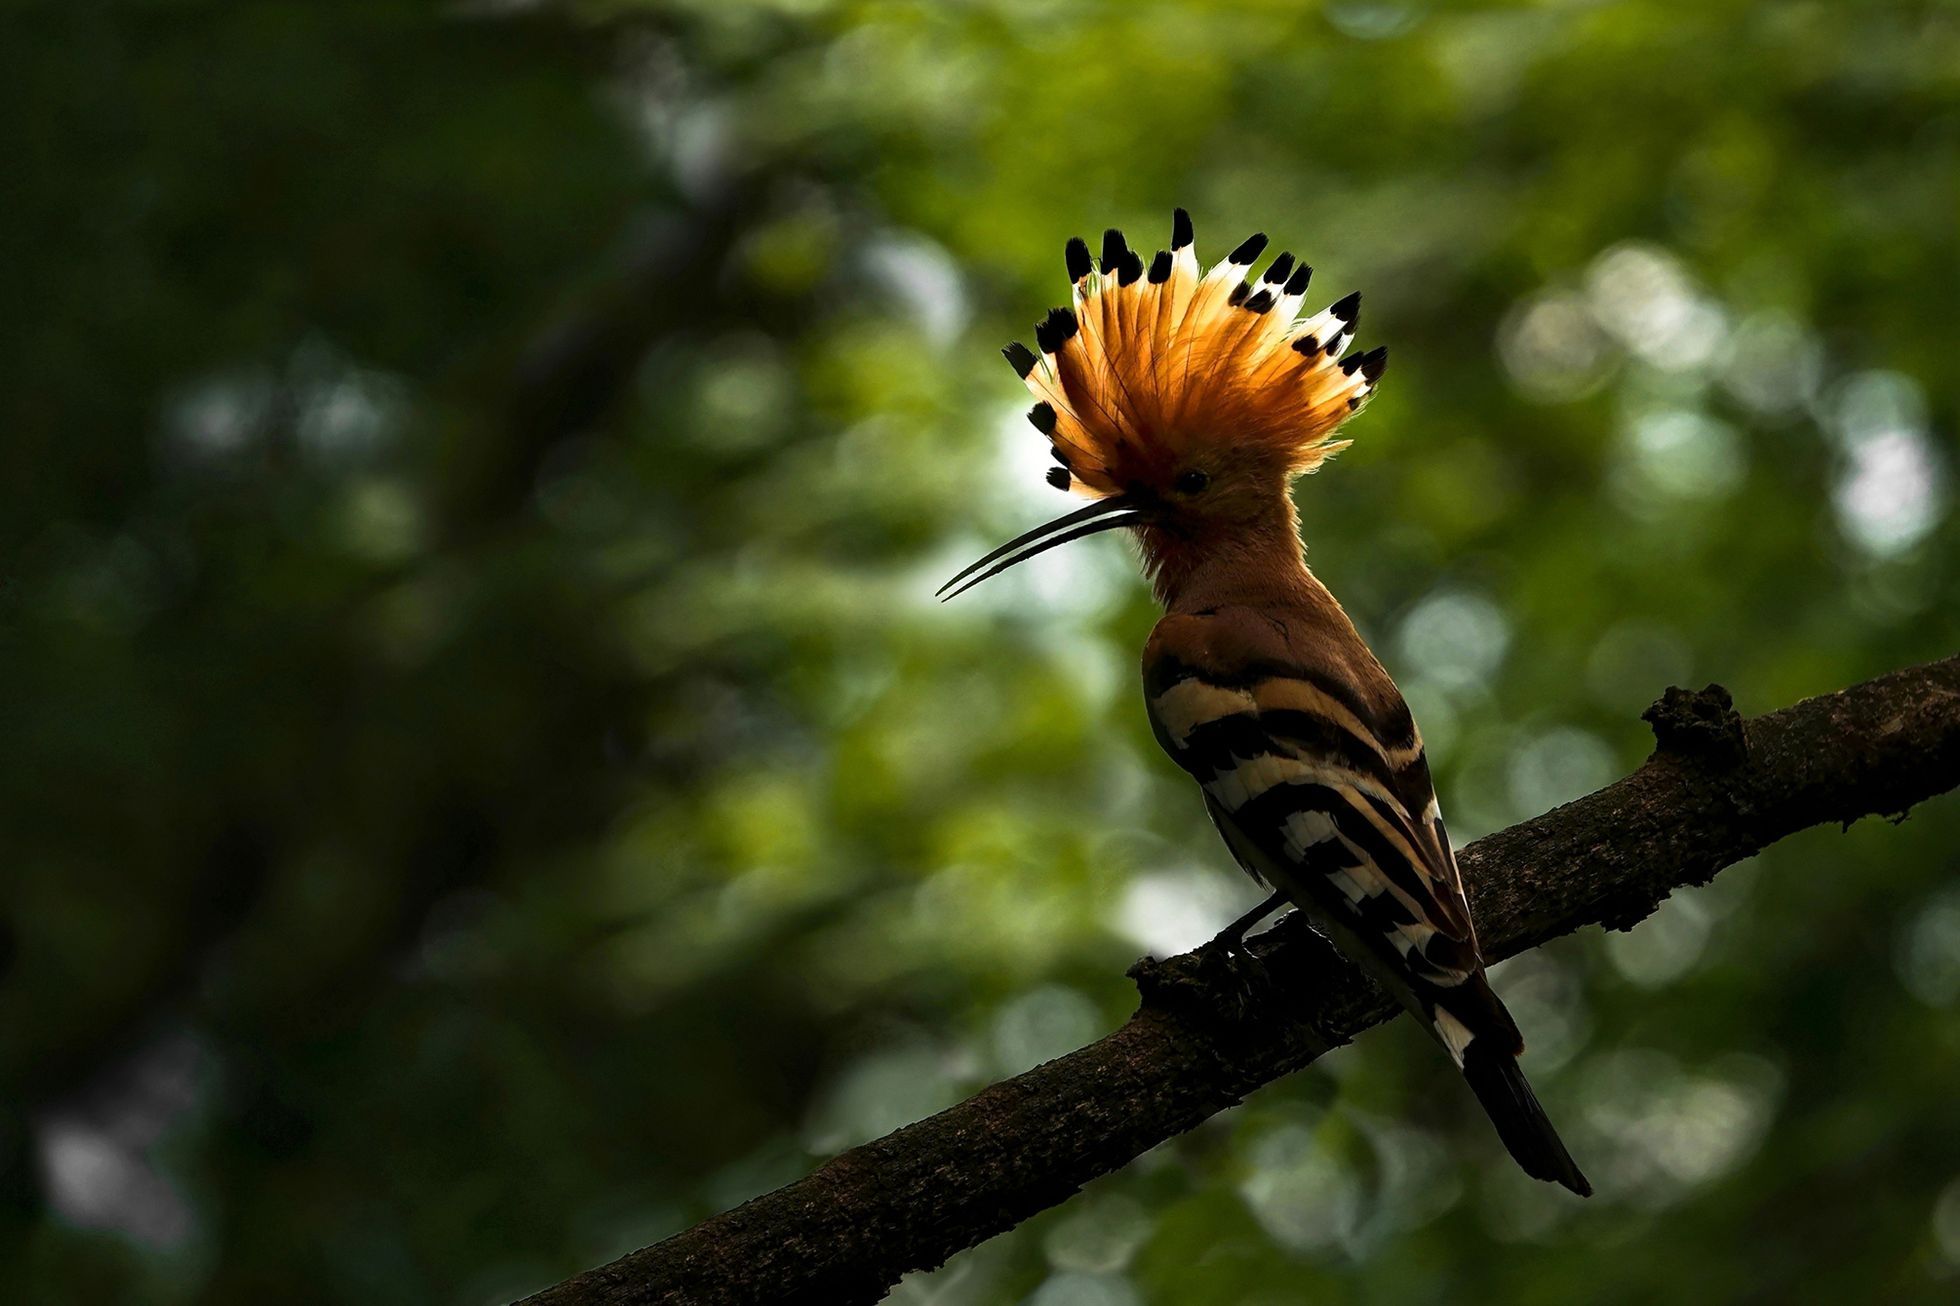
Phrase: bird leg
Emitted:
{"points": [[1232, 937], [1237, 975]]}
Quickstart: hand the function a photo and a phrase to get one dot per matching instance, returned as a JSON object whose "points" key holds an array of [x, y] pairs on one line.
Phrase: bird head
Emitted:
{"points": [[1182, 402]]}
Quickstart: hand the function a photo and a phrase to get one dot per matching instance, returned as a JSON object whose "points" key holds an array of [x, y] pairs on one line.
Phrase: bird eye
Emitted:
{"points": [[1191, 482]]}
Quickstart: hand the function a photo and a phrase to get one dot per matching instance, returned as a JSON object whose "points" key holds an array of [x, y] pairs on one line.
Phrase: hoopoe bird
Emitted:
{"points": [[1184, 402]]}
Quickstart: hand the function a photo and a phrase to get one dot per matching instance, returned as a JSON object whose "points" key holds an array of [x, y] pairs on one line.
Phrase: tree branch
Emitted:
{"points": [[1716, 790]]}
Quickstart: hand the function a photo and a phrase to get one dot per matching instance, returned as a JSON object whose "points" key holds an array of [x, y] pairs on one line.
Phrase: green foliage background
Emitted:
{"points": [[486, 783]]}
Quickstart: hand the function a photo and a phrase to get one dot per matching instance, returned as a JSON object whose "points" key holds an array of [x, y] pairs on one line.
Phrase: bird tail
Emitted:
{"points": [[1499, 1083], [1485, 1044]]}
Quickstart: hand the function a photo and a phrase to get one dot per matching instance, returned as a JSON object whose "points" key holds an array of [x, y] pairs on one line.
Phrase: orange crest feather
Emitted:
{"points": [[1151, 368]]}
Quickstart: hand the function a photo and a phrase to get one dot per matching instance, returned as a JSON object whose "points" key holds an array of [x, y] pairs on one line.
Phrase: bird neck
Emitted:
{"points": [[1254, 563]]}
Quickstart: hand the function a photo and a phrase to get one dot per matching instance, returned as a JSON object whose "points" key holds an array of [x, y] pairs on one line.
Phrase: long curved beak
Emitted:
{"points": [[1102, 515]]}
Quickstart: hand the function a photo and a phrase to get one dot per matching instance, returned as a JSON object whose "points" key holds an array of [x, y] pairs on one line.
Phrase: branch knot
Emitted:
{"points": [[1700, 724]]}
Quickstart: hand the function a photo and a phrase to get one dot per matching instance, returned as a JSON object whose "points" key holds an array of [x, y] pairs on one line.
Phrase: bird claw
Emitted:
{"points": [[1237, 975]]}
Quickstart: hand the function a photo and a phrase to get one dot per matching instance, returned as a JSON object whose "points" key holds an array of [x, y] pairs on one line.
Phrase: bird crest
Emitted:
{"points": [[1157, 384], [1151, 367]]}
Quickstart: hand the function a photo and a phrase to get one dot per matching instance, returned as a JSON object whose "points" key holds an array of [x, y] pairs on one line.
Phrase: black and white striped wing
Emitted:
{"points": [[1312, 797]]}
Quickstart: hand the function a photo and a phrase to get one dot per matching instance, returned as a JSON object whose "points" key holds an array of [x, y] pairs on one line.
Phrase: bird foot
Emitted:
{"points": [[1238, 978]]}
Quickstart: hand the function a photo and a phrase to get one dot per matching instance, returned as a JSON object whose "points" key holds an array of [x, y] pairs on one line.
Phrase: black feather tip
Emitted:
{"points": [[1348, 309], [1374, 363], [1239, 292], [1020, 358], [1077, 257], [1306, 345], [1261, 302], [1297, 283], [1180, 229], [1055, 330], [1130, 269], [1279, 270], [1115, 248], [1160, 268], [1042, 417], [1058, 477], [1249, 249]]}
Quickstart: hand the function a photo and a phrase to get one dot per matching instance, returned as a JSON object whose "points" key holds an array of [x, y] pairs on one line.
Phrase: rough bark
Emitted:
{"points": [[1716, 790]]}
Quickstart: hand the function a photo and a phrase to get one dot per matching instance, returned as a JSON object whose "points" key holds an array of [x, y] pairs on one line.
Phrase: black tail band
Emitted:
{"points": [[1507, 1098]]}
